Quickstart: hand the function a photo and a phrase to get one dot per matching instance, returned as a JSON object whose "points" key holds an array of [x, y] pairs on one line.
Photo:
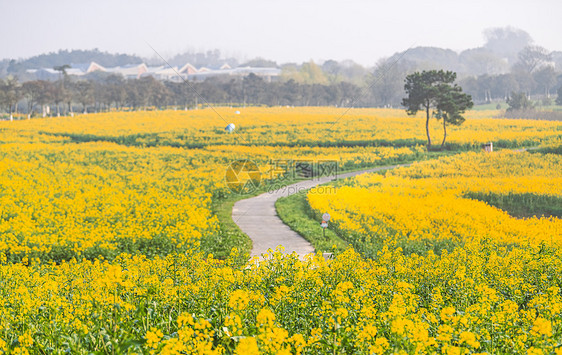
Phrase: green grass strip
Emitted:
{"points": [[295, 212]]}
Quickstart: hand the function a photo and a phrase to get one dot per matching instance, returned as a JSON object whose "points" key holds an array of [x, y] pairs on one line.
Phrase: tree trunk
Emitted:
{"points": [[427, 126], [30, 110], [444, 133]]}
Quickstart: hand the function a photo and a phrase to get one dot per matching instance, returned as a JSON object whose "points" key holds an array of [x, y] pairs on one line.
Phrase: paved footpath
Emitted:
{"points": [[257, 217]]}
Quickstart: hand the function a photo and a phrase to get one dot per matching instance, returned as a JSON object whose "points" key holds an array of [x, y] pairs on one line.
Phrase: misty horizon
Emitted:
{"points": [[292, 33], [241, 59]]}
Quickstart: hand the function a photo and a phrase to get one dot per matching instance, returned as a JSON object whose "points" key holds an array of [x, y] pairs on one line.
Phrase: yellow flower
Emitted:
{"points": [[341, 313], [381, 344], [368, 332], [265, 317], [247, 346], [298, 342], [20, 351], [26, 340], [452, 350], [447, 313], [239, 300], [185, 319], [445, 333], [398, 325], [542, 326], [153, 337], [469, 338]]}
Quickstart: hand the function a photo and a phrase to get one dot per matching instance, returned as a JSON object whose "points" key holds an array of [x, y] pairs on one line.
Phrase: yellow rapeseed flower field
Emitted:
{"points": [[451, 201], [280, 126], [105, 218], [472, 300]]}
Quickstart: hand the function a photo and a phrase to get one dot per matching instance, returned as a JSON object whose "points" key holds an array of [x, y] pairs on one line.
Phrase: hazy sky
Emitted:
{"points": [[288, 30]]}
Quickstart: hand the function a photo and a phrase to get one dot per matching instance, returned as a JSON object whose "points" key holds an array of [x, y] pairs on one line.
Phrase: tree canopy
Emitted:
{"points": [[519, 101], [451, 104], [433, 91]]}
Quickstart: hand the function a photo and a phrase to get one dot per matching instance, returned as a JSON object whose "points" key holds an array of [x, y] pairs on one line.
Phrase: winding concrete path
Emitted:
{"points": [[258, 218]]}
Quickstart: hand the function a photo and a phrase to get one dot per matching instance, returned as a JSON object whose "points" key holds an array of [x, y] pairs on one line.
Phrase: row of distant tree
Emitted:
{"points": [[42, 98], [533, 73]]}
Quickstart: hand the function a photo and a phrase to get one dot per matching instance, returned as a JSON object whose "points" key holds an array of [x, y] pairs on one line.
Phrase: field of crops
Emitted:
{"points": [[286, 127], [110, 241], [508, 197]]}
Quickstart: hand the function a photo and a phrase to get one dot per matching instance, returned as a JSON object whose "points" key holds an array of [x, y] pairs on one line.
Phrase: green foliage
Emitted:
{"points": [[295, 212], [10, 93], [546, 101], [229, 236], [308, 73], [519, 101], [553, 149], [434, 90], [559, 98], [522, 205], [423, 89], [452, 104]]}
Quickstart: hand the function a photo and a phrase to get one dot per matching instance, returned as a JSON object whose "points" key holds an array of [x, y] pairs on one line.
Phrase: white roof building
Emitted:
{"points": [[132, 71], [164, 72], [266, 73], [188, 69]]}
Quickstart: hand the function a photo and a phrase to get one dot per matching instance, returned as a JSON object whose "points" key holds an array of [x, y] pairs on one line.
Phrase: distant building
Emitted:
{"points": [[268, 74], [164, 72], [52, 74], [94, 67], [188, 69], [131, 71], [44, 73]]}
